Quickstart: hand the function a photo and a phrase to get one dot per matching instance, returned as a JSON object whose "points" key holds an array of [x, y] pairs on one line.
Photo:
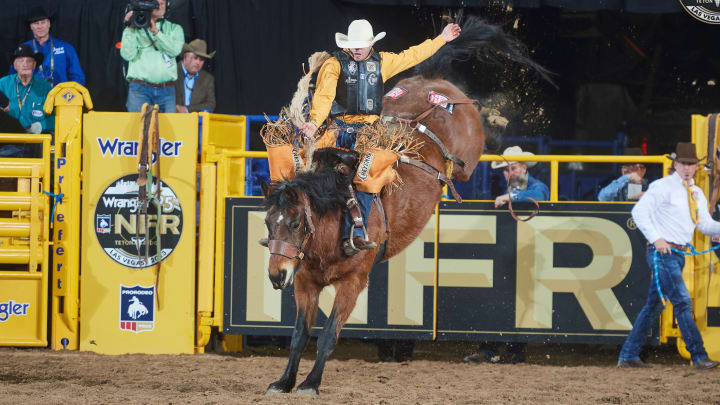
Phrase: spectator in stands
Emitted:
{"points": [[26, 92], [150, 53], [61, 62], [667, 215], [631, 185], [194, 88], [521, 186]]}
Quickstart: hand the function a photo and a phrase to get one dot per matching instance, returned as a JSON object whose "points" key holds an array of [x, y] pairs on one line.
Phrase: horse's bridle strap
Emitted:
{"points": [[430, 134], [446, 102], [438, 174], [282, 248]]}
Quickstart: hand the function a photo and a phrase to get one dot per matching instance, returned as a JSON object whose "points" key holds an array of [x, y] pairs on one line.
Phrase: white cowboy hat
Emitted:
{"points": [[513, 151], [360, 35]]}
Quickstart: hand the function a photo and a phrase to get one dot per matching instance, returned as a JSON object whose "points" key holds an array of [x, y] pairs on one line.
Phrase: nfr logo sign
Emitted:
{"points": [[137, 308], [576, 274], [124, 235]]}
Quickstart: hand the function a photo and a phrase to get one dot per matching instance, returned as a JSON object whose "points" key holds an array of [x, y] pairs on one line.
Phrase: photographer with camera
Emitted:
{"points": [[150, 44]]}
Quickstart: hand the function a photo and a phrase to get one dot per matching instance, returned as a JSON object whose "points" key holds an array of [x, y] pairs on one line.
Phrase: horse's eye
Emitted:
{"points": [[295, 225]]}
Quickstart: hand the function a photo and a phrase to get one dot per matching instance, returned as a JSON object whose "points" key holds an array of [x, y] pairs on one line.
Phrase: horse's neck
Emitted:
{"points": [[326, 239]]}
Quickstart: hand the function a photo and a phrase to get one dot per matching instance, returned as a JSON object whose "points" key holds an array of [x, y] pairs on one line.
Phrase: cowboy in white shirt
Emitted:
{"points": [[667, 215]]}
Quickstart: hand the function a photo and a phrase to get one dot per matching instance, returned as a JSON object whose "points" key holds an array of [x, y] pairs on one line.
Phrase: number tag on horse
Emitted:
{"points": [[396, 93], [437, 98]]}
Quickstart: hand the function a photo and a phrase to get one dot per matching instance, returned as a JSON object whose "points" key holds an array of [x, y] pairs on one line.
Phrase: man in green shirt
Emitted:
{"points": [[151, 53]]}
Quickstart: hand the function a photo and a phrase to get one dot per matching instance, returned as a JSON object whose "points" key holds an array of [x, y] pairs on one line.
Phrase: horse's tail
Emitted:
{"points": [[298, 106], [486, 41]]}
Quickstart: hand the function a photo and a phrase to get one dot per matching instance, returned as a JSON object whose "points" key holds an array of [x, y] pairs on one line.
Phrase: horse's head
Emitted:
{"points": [[290, 229], [294, 208]]}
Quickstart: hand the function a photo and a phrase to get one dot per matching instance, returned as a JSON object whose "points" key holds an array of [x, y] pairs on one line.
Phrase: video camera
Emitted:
{"points": [[142, 12]]}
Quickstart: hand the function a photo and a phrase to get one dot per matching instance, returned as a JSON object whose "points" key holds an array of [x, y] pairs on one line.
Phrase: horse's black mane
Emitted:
{"points": [[326, 191], [478, 39]]}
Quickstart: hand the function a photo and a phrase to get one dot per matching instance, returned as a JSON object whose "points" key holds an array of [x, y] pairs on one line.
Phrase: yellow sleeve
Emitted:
{"points": [[394, 63], [325, 91]]}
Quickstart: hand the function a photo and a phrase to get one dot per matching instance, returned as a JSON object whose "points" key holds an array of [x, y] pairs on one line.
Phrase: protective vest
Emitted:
{"points": [[359, 87]]}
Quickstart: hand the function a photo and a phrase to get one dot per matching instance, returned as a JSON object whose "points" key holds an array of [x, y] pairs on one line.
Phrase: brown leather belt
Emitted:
{"points": [[156, 85]]}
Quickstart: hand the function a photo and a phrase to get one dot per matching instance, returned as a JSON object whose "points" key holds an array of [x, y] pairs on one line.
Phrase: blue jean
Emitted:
{"points": [[138, 94], [673, 287], [365, 202], [346, 140]]}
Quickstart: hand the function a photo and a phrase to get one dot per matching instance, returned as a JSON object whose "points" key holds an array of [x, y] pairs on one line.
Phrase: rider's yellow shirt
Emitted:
{"points": [[390, 65]]}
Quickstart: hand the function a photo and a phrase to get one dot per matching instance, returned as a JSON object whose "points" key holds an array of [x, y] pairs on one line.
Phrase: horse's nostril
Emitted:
{"points": [[278, 279]]}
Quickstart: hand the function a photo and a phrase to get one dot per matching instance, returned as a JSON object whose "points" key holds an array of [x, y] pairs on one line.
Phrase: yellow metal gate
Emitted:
{"points": [[24, 242]]}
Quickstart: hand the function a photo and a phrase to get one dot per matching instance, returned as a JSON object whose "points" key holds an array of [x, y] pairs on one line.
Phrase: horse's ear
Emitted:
{"points": [[266, 189], [291, 195]]}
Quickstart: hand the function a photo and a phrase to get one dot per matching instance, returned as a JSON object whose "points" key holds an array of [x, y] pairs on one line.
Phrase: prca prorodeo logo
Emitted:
{"points": [[707, 11], [137, 308], [121, 231]]}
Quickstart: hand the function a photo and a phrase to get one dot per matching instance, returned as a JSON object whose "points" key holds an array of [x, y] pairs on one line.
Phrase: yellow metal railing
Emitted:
{"points": [[555, 161], [700, 272], [222, 175], [24, 244], [67, 100]]}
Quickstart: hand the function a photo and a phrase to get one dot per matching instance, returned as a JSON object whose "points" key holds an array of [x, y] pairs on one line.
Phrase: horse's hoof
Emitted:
{"points": [[308, 391], [277, 388]]}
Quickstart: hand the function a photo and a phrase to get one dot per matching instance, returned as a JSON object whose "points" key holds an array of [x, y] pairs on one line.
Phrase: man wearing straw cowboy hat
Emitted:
{"points": [[194, 88], [522, 186], [349, 89], [667, 215]]}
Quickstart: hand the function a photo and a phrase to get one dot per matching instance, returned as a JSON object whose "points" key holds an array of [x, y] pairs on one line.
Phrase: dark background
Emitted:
{"points": [[640, 66]]}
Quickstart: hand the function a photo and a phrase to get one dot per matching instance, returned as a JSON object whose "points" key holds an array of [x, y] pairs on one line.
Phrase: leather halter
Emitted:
{"points": [[415, 124], [282, 248]]}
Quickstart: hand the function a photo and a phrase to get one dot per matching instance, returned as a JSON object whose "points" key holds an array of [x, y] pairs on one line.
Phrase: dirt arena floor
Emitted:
{"points": [[553, 374]]}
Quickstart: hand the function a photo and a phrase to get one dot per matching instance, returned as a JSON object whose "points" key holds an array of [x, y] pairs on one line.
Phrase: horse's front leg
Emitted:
{"points": [[306, 299], [347, 292]]}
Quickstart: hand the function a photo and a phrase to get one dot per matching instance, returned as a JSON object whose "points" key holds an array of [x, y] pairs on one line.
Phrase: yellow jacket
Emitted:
{"points": [[390, 65]]}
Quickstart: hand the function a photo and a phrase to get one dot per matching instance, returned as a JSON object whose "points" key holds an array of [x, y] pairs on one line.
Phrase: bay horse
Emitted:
{"points": [[304, 214]]}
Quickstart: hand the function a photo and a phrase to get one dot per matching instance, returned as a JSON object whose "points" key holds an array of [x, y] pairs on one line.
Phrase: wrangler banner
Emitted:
{"points": [[575, 273]]}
